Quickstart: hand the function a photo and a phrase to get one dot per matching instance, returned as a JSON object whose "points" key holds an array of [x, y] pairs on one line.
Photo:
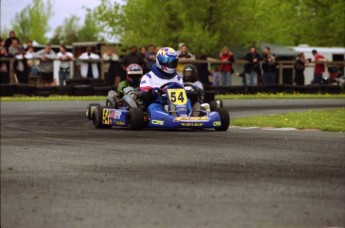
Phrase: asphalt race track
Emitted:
{"points": [[57, 170]]}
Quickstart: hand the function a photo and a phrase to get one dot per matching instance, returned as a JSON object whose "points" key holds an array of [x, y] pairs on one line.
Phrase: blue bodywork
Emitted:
{"points": [[164, 120]]}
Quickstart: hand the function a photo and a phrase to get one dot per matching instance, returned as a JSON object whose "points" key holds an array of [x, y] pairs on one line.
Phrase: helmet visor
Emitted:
{"points": [[134, 78], [188, 73], [173, 64]]}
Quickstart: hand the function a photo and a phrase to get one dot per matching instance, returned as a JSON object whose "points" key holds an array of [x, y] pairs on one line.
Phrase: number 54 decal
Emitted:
{"points": [[177, 96]]}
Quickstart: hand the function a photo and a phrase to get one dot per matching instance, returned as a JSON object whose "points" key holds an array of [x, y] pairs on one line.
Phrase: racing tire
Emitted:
{"points": [[88, 110], [135, 119], [97, 118], [224, 119], [214, 106], [220, 104]]}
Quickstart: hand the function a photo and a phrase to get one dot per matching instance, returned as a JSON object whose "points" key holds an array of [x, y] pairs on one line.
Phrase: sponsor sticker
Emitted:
{"points": [[191, 119], [114, 114], [119, 123], [192, 124], [217, 123], [157, 122]]}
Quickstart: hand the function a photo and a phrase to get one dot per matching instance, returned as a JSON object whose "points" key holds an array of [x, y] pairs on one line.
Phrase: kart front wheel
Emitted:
{"points": [[214, 106], [97, 118], [224, 119], [88, 110], [135, 119]]}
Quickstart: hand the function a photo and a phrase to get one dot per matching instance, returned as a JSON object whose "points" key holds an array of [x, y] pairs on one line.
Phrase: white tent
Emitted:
{"points": [[328, 52]]}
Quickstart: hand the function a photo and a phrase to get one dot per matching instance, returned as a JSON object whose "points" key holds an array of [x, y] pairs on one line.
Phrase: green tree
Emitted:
{"points": [[90, 30], [207, 25], [32, 21], [71, 31], [5, 31], [68, 32], [314, 22], [168, 23]]}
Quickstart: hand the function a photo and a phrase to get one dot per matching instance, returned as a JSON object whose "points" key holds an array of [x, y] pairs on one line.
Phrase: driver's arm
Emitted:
{"points": [[146, 90]]}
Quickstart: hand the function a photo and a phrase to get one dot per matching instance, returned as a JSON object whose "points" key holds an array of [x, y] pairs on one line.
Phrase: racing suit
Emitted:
{"points": [[153, 80]]}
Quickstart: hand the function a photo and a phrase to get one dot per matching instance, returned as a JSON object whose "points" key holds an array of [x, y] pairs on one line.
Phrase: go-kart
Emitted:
{"points": [[195, 94], [175, 114]]}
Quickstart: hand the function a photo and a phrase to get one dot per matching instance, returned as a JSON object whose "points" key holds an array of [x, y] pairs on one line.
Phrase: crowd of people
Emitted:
{"points": [[258, 69]]}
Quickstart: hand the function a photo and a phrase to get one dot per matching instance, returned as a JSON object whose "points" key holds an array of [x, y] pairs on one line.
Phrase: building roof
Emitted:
{"points": [[279, 50], [330, 50]]}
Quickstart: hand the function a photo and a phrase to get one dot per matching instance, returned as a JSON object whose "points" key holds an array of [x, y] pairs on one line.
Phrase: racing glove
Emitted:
{"points": [[147, 97], [156, 92]]}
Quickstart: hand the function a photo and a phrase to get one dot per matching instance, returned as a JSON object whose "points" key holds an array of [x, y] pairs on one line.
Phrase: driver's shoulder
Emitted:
{"points": [[149, 75]]}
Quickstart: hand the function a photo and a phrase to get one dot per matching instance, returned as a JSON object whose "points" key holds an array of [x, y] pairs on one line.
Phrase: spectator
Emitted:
{"points": [[319, 68], [32, 63], [133, 57], [4, 66], [183, 54], [29, 44], [88, 66], [151, 57], [2, 43], [107, 57], [269, 67], [203, 71], [13, 49], [299, 66], [216, 75], [226, 68], [65, 63], [252, 67], [334, 73], [46, 65], [112, 77], [143, 53], [9, 40], [20, 66]]}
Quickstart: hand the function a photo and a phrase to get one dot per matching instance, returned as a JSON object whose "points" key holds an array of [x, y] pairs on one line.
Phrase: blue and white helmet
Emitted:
{"points": [[166, 60]]}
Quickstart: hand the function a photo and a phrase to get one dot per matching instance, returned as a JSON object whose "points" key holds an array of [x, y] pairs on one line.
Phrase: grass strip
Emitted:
{"points": [[325, 120], [52, 98], [279, 96]]}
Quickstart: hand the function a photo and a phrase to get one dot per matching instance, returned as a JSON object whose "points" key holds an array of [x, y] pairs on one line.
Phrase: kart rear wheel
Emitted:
{"points": [[135, 119], [220, 103], [224, 119], [97, 118], [214, 106], [88, 110]]}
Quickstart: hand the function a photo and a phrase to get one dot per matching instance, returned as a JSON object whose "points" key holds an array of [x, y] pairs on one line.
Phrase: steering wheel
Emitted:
{"points": [[164, 86], [167, 84]]}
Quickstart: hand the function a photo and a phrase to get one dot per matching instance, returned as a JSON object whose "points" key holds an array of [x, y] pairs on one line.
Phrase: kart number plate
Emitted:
{"points": [[177, 96], [105, 119]]}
